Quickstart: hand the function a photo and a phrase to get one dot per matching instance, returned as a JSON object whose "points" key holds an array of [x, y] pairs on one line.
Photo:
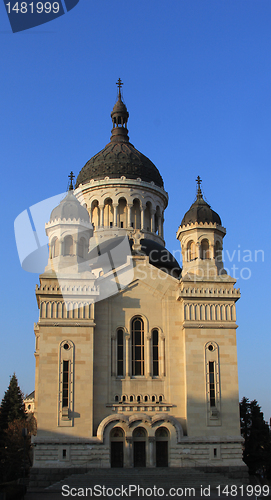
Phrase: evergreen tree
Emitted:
{"points": [[12, 406], [256, 434]]}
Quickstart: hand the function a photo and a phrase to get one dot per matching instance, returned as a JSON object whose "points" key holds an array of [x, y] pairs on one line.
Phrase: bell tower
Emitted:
{"points": [[201, 237], [207, 300]]}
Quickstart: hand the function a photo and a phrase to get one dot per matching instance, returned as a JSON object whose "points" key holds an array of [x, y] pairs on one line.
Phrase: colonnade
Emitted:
{"points": [[203, 250], [126, 215]]}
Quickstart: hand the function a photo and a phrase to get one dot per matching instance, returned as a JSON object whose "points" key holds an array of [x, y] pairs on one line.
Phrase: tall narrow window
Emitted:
{"points": [[65, 388], [65, 400], [55, 247], [137, 346], [120, 352], [212, 382], [205, 250], [191, 251], [155, 358]]}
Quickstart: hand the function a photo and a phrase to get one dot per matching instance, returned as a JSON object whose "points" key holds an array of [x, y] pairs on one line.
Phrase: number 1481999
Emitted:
{"points": [[247, 490], [39, 7]]}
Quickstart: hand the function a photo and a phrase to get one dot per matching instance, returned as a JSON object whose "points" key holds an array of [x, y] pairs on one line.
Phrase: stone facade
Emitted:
{"points": [[143, 374]]}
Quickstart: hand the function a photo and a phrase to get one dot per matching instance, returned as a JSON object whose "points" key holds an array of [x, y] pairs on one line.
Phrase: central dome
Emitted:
{"points": [[120, 158]]}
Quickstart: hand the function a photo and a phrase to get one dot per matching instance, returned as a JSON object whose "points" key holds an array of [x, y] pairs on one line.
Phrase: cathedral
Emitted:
{"points": [[136, 362]]}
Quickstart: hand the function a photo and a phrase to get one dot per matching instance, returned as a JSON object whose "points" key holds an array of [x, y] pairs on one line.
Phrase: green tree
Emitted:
{"points": [[255, 431], [12, 421], [12, 406]]}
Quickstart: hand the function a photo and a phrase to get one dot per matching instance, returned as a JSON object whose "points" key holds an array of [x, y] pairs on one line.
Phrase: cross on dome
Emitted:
{"points": [[119, 84], [71, 177], [199, 181]]}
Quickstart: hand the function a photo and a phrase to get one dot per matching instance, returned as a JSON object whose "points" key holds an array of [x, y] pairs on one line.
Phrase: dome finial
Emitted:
{"points": [[119, 117], [199, 193], [119, 84], [71, 177]]}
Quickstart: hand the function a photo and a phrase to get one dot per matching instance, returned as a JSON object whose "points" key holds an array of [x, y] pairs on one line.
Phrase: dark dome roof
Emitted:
{"points": [[200, 211], [119, 159], [69, 208], [159, 256]]}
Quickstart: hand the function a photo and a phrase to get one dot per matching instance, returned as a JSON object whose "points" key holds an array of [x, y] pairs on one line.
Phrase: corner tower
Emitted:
{"points": [[201, 237], [207, 300]]}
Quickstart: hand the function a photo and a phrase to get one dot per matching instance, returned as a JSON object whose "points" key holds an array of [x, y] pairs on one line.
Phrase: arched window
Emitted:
{"points": [[137, 346], [55, 248], [116, 432], [162, 432], [68, 245], [108, 213], [155, 356], [81, 247], [122, 213], [204, 250], [95, 214], [191, 251], [120, 352], [140, 433]]}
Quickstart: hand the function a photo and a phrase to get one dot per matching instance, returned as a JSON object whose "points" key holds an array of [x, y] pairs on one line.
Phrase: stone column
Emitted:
{"points": [[151, 451], [148, 356], [152, 220], [142, 211], [159, 225], [211, 251], [162, 227], [129, 208], [198, 250], [75, 246], [61, 247], [128, 457], [162, 356], [101, 222], [115, 215], [127, 356], [113, 356]]}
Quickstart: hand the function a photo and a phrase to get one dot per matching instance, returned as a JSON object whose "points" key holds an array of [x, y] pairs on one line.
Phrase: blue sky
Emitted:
{"points": [[197, 86]]}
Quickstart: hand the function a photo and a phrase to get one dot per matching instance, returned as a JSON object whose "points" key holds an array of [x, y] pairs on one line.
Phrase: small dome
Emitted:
{"points": [[200, 211], [119, 107], [69, 208]]}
